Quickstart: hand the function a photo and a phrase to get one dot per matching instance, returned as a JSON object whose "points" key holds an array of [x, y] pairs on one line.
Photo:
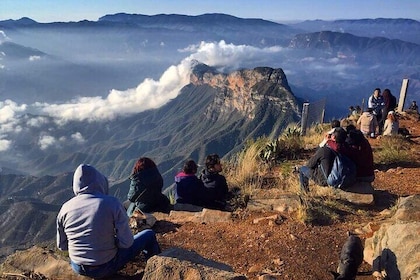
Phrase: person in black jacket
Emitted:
{"points": [[215, 185], [146, 185], [320, 162]]}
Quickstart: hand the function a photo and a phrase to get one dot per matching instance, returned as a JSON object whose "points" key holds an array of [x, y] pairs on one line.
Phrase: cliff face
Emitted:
{"points": [[242, 90]]}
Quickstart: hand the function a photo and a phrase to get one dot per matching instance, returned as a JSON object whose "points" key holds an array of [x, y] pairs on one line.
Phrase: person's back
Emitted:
{"points": [[360, 152], [367, 123], [391, 125], [215, 185], [87, 220], [188, 187], [93, 227], [146, 185]]}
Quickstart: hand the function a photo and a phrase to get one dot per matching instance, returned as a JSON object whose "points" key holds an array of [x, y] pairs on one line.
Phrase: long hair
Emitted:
{"points": [[142, 164]]}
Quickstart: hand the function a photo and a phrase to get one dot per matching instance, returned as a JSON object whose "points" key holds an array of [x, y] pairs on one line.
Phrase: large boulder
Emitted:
{"points": [[394, 249], [176, 263]]}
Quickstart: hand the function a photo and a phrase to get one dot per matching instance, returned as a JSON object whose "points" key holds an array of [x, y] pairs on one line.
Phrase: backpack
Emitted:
{"points": [[343, 172]]}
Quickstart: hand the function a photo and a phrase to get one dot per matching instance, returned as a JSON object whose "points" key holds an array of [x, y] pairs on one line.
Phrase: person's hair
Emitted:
{"points": [[377, 89], [190, 167], [340, 135], [335, 123], [392, 117], [212, 160], [350, 127], [142, 164]]}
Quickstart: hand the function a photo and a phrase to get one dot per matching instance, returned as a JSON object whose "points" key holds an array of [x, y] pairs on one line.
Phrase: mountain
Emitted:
{"points": [[400, 28], [215, 113]]}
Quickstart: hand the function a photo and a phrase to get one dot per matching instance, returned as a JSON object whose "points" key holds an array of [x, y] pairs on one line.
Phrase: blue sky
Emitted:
{"points": [[277, 10]]}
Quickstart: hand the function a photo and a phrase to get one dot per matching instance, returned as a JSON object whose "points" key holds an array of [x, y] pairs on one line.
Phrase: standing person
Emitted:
{"points": [[391, 125], [215, 185], [376, 102], [146, 186], [188, 187], [368, 123], [390, 102], [93, 228]]}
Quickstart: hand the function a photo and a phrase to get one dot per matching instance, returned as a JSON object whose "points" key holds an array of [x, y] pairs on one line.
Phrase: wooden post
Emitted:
{"points": [[304, 123], [403, 94]]}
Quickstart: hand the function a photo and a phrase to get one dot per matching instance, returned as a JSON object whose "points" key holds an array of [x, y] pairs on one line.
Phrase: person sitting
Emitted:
{"points": [[414, 107], [391, 125], [368, 123], [145, 191], [358, 149], [93, 227], [320, 164], [188, 188], [334, 124], [215, 185]]}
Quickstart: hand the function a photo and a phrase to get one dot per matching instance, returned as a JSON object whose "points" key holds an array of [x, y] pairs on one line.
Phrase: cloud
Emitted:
{"points": [[46, 141], [4, 144], [151, 93], [9, 109], [3, 37], [78, 137], [34, 57]]}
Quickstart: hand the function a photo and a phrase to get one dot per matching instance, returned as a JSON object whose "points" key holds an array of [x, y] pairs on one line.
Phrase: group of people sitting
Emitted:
{"points": [[93, 226], [208, 190], [347, 141], [379, 118]]}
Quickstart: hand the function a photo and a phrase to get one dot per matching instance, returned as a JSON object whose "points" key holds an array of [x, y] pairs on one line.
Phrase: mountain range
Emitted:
{"points": [[234, 88]]}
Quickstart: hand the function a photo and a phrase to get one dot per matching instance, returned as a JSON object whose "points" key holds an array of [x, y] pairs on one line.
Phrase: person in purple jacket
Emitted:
{"points": [[93, 227], [188, 188]]}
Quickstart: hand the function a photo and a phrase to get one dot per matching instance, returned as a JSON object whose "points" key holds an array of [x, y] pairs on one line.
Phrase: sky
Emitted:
{"points": [[275, 10]]}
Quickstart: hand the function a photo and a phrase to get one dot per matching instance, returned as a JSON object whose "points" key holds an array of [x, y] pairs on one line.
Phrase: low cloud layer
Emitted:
{"points": [[149, 94]]}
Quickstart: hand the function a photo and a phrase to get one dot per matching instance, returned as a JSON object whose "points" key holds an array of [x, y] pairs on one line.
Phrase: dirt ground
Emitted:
{"points": [[286, 247]]}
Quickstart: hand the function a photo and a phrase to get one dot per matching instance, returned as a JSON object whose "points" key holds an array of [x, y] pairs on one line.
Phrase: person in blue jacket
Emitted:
{"points": [[188, 188], [93, 227]]}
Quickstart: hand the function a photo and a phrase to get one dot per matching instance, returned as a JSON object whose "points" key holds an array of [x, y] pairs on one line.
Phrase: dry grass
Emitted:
{"points": [[315, 134], [246, 169], [393, 149]]}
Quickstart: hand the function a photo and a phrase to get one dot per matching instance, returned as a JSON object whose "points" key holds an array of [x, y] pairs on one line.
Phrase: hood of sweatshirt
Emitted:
{"points": [[87, 179]]}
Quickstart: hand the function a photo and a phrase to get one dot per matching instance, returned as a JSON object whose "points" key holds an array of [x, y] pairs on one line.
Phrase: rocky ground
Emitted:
{"points": [[284, 246]]}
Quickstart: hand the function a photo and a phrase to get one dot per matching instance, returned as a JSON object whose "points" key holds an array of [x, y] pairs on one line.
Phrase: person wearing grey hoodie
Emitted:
{"points": [[93, 228]]}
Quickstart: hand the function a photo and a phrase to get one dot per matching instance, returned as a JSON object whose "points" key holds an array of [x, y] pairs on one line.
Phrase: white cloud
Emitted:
{"points": [[46, 141], [3, 37], [5, 144], [154, 93], [37, 121], [78, 137], [34, 57], [8, 110]]}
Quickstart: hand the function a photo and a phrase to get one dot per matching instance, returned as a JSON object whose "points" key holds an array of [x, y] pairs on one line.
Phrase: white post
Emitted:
{"points": [[304, 123], [403, 94]]}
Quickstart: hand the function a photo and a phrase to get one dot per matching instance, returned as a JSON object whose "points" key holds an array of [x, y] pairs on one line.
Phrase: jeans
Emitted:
{"points": [[304, 175], [144, 241]]}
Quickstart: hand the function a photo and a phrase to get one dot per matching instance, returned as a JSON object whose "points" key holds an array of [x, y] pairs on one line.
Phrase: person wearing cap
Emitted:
{"points": [[215, 185], [368, 123], [391, 125], [93, 227]]}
